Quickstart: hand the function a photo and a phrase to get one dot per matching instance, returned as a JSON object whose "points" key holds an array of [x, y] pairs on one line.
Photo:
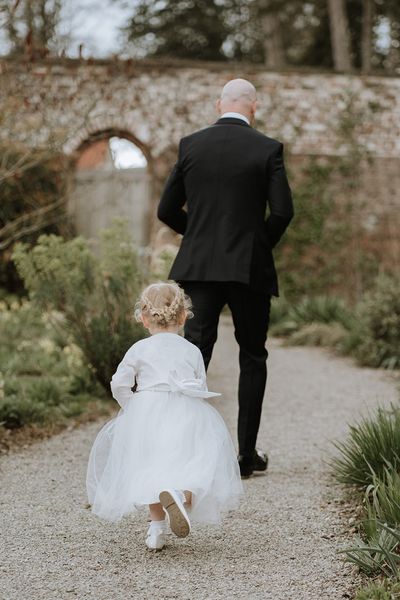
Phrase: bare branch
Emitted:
{"points": [[32, 222]]}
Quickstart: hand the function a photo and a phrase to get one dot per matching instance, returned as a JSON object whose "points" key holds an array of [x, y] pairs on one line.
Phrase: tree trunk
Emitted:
{"points": [[366, 35], [340, 37], [273, 44]]}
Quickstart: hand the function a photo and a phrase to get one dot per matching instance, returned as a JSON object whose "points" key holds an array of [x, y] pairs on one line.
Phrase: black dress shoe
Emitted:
{"points": [[248, 464], [260, 461]]}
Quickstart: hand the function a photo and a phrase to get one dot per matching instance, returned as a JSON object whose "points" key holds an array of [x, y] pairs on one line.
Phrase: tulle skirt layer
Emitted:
{"points": [[164, 440]]}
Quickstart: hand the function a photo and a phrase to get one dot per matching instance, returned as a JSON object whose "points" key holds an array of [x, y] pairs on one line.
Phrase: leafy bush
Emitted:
{"points": [[376, 550], [89, 297], [25, 408], [161, 261], [370, 332], [370, 458], [16, 412], [382, 498], [377, 339], [318, 334], [372, 445], [43, 378], [386, 590], [376, 554], [279, 311], [320, 309]]}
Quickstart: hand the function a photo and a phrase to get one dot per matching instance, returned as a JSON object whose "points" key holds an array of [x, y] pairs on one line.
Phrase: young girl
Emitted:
{"points": [[168, 448]]}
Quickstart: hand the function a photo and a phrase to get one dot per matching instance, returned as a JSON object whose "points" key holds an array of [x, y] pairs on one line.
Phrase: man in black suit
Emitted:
{"points": [[227, 175]]}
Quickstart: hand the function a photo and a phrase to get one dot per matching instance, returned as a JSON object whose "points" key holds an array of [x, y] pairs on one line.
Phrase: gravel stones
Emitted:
{"points": [[280, 545]]}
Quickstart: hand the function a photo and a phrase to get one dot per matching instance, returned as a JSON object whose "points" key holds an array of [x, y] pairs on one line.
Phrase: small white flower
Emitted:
{"points": [[47, 345]]}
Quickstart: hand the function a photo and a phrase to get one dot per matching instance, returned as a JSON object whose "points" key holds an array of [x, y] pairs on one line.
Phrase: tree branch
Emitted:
{"points": [[31, 222]]}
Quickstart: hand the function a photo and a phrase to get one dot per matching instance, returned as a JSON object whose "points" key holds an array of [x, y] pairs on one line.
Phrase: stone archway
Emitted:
{"points": [[111, 178]]}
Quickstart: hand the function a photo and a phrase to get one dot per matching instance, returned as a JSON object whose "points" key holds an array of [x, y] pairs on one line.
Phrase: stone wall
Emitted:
{"points": [[154, 103], [157, 103]]}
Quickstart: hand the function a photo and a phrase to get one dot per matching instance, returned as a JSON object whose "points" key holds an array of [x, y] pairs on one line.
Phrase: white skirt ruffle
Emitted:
{"points": [[161, 440]]}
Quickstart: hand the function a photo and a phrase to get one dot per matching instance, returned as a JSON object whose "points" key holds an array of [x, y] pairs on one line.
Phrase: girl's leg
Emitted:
{"points": [[156, 512], [155, 539], [188, 496]]}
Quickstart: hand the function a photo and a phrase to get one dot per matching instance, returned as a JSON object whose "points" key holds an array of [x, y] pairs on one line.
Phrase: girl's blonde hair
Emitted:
{"points": [[163, 304]]}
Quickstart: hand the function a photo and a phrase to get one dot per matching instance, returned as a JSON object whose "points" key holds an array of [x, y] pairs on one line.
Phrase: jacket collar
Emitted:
{"points": [[231, 121]]}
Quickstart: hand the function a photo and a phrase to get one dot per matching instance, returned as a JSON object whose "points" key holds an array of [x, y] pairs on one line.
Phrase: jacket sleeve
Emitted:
{"points": [[123, 379], [279, 198], [170, 209]]}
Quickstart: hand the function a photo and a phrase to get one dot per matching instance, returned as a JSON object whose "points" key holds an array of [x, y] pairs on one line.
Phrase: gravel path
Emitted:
{"points": [[280, 545]]}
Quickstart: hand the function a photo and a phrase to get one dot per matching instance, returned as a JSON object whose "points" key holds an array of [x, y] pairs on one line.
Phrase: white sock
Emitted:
{"points": [[181, 495], [158, 524]]}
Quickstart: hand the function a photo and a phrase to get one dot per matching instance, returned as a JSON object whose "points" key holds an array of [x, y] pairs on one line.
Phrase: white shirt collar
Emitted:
{"points": [[235, 115]]}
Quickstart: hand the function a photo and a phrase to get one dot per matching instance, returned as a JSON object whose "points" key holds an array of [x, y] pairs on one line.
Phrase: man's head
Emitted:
{"points": [[238, 95]]}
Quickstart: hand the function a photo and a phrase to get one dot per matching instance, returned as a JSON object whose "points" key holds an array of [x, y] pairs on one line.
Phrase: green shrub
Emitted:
{"points": [[382, 498], [17, 411], [318, 334], [161, 261], [44, 377], [376, 551], [279, 311], [377, 335], [26, 408], [377, 554], [320, 309], [46, 390], [385, 590], [372, 444], [89, 297]]}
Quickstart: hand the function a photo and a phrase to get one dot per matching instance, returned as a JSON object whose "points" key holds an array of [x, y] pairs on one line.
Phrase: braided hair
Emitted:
{"points": [[163, 304]]}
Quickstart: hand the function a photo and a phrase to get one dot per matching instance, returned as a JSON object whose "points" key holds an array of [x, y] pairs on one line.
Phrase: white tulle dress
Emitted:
{"points": [[166, 435]]}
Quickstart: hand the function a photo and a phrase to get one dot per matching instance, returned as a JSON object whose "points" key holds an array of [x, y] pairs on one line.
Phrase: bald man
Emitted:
{"points": [[232, 180]]}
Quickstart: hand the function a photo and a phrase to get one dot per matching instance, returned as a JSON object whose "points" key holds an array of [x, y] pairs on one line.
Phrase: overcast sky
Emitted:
{"points": [[96, 24]]}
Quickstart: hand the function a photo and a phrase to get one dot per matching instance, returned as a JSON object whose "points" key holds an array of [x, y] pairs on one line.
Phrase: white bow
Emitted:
{"points": [[190, 387]]}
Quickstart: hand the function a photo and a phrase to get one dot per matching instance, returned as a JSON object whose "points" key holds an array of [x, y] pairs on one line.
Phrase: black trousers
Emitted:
{"points": [[250, 312]]}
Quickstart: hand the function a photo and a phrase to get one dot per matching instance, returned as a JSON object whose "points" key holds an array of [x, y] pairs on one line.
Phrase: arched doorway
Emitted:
{"points": [[111, 180]]}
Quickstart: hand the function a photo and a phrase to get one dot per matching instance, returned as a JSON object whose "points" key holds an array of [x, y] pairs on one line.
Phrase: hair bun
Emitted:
{"points": [[163, 304]]}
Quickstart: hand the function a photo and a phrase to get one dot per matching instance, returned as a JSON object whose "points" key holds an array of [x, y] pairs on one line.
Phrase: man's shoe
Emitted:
{"points": [[260, 462], [246, 466], [172, 501]]}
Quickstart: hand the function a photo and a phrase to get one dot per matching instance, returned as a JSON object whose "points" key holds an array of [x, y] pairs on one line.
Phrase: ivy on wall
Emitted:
{"points": [[325, 249]]}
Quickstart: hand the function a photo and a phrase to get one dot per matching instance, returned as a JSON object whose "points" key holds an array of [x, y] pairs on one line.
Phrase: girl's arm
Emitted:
{"points": [[123, 379]]}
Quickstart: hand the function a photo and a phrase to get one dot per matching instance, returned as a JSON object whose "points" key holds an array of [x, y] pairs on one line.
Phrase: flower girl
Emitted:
{"points": [[167, 448]]}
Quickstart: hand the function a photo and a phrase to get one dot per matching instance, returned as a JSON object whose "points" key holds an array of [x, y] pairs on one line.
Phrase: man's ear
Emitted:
{"points": [[253, 109], [218, 106]]}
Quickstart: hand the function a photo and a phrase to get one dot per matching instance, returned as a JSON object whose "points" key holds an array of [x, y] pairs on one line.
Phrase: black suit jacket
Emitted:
{"points": [[228, 174]]}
